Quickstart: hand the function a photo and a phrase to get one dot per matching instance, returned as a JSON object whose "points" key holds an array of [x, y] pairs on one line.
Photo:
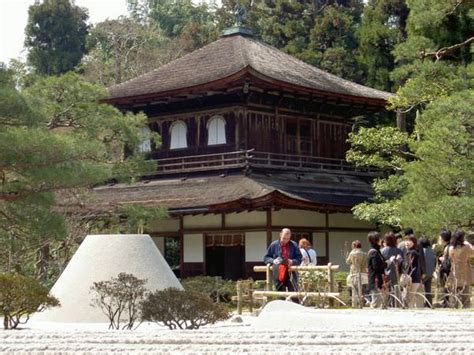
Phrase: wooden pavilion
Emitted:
{"points": [[253, 140]]}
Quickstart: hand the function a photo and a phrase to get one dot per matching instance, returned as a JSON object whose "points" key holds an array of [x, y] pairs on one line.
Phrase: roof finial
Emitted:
{"points": [[240, 13]]}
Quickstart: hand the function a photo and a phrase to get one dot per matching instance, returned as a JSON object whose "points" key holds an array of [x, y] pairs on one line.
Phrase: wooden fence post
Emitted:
{"points": [[269, 283], [331, 283], [239, 297]]}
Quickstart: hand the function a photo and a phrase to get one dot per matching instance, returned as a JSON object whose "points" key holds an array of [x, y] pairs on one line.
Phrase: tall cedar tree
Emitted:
{"points": [[55, 36]]}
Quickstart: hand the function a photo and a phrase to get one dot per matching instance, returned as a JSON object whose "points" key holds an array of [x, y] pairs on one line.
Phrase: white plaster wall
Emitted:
{"points": [[347, 220], [255, 246], [275, 235], [200, 221], [319, 243], [160, 244], [164, 225], [298, 218], [193, 248], [338, 241], [246, 219]]}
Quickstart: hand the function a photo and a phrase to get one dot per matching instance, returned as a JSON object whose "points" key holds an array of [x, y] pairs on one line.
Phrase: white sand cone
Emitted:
{"points": [[99, 258]]}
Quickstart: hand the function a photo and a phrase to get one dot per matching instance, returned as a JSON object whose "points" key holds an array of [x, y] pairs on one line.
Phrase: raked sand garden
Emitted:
{"points": [[281, 327]]}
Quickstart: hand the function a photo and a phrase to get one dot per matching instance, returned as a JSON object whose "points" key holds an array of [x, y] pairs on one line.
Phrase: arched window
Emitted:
{"points": [[178, 135], [216, 131], [145, 141]]}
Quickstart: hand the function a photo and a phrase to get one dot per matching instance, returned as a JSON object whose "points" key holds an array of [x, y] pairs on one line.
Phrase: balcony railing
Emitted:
{"points": [[253, 159]]}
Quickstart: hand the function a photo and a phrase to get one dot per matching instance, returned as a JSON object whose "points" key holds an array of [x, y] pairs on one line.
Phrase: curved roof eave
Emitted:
{"points": [[241, 73]]}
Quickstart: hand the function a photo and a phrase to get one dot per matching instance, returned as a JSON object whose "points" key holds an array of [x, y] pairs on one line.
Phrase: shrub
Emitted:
{"points": [[215, 287], [182, 309], [20, 296], [118, 296]]}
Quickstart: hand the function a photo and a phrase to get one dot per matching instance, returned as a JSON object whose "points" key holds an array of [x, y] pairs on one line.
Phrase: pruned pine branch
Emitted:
{"points": [[442, 52]]}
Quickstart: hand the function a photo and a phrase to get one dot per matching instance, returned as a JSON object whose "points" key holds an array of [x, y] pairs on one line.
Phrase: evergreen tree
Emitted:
{"points": [[382, 27], [55, 36], [430, 169], [319, 33], [179, 19], [55, 137]]}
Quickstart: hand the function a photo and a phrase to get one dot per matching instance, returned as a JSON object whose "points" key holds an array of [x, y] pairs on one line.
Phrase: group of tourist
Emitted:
{"points": [[398, 271]]}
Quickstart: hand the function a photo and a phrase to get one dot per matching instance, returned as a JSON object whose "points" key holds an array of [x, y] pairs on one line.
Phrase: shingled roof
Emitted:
{"points": [[231, 57], [208, 193]]}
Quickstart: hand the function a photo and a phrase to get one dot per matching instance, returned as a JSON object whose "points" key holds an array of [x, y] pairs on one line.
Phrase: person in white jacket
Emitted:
{"points": [[308, 253]]}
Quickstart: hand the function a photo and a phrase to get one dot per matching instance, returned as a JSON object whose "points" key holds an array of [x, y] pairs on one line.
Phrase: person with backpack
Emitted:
{"points": [[307, 252], [394, 258], [376, 266]]}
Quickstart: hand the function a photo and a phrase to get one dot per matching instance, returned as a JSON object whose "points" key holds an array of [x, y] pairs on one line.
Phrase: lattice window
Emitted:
{"points": [[224, 240]]}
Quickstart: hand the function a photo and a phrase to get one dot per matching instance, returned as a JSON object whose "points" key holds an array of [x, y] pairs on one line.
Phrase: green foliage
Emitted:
{"points": [[119, 299], [439, 182], [55, 36], [178, 19], [21, 296], [216, 288], [69, 141], [182, 309], [139, 216], [381, 28], [380, 147], [119, 50], [432, 168]]}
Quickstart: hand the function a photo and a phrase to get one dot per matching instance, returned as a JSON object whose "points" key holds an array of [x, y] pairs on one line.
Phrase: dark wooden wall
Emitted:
{"points": [[259, 125]]}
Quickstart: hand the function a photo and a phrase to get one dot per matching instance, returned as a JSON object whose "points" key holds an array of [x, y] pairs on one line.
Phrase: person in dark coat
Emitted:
{"points": [[430, 263], [282, 254], [413, 269], [393, 256], [376, 267]]}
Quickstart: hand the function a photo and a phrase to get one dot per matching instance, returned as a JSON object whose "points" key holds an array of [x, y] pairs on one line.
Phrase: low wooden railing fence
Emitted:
{"points": [[251, 158], [245, 295]]}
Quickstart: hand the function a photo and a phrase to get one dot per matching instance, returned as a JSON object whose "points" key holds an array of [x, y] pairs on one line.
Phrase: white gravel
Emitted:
{"points": [[281, 328]]}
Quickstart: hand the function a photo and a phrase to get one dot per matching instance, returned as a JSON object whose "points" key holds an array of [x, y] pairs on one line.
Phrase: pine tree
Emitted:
{"points": [[55, 36], [431, 168], [54, 137]]}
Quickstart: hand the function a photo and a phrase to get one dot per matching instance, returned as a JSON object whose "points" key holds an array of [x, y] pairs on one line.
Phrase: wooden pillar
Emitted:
{"points": [[326, 235], [181, 246], [269, 226]]}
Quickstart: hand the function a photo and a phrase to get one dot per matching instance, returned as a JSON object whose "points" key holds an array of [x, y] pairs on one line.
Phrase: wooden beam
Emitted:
{"points": [[269, 226], [326, 235], [181, 245]]}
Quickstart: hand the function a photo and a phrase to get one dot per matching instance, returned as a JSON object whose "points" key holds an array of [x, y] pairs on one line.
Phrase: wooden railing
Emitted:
{"points": [[251, 158]]}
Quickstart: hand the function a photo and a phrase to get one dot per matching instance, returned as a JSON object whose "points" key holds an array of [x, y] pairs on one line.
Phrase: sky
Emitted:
{"points": [[14, 15]]}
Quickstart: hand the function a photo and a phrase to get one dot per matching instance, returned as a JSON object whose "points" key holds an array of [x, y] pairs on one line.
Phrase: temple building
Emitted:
{"points": [[253, 140]]}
